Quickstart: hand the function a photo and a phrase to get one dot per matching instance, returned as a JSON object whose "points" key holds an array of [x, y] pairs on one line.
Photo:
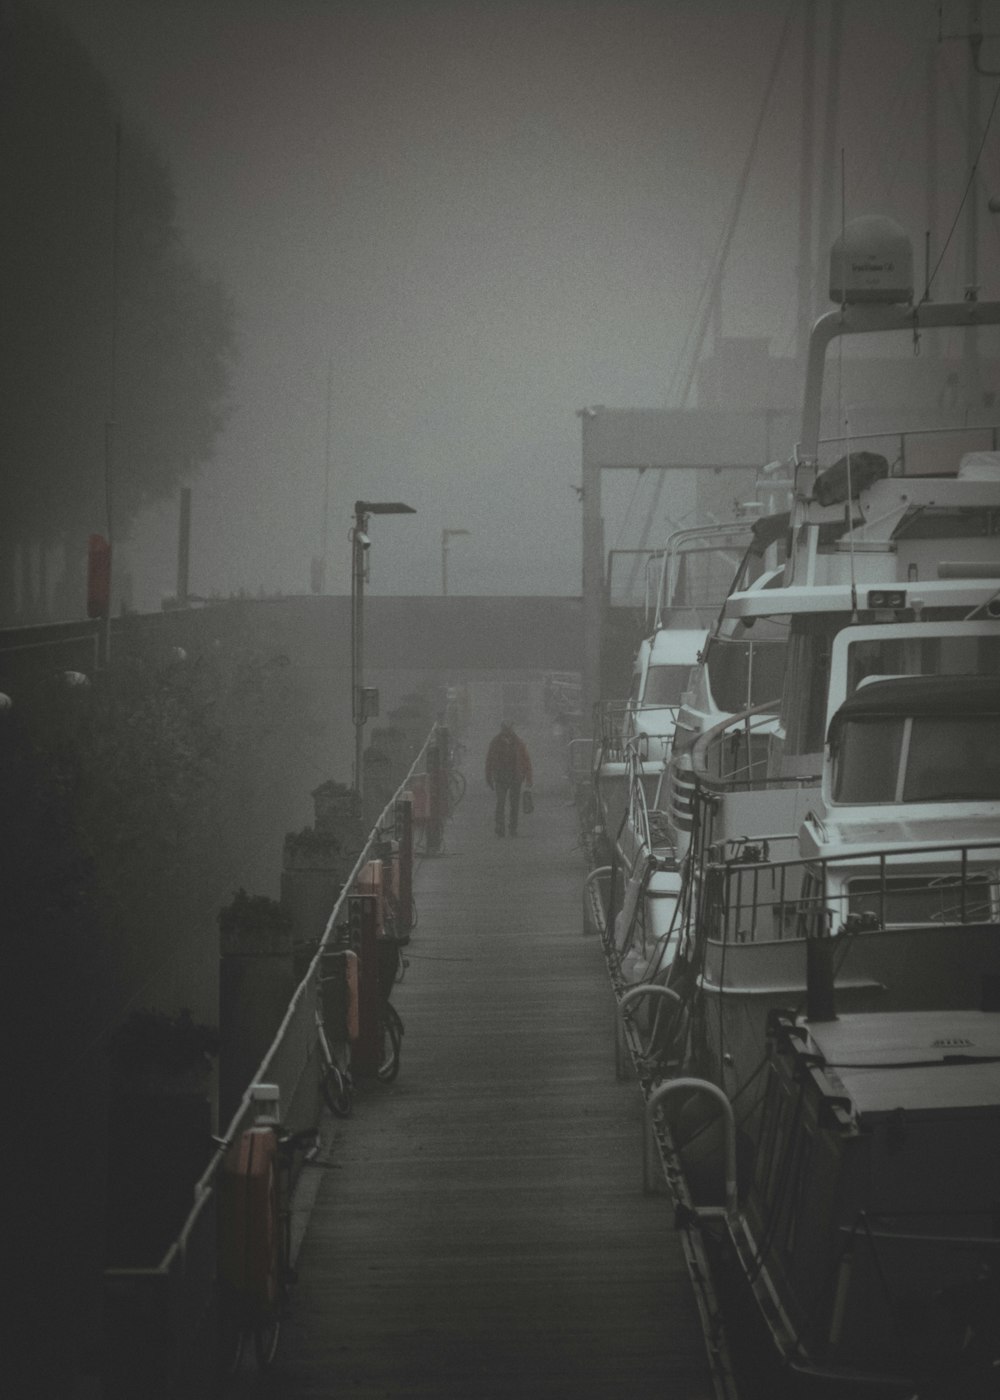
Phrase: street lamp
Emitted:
{"points": [[362, 701], [445, 537]]}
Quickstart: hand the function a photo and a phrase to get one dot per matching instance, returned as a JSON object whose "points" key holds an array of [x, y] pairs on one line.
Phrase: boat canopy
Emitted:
{"points": [[918, 739], [919, 697]]}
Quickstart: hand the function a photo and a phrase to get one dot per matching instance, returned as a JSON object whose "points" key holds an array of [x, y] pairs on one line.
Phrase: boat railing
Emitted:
{"points": [[654, 707], [580, 758], [745, 896], [746, 725], [745, 779], [610, 735], [861, 320], [736, 746], [646, 823], [902, 437], [714, 539]]}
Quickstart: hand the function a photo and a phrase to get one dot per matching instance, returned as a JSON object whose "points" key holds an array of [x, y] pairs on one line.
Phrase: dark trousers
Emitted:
{"points": [[507, 790]]}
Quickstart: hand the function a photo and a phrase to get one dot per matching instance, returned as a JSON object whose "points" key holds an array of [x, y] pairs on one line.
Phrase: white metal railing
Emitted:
{"points": [[747, 896]]}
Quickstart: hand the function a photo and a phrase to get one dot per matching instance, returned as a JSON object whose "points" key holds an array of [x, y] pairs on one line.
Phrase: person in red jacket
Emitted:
{"points": [[507, 768]]}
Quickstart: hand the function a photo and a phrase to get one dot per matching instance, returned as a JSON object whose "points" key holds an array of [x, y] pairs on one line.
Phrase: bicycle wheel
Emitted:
{"points": [[392, 1043], [456, 788], [266, 1333], [231, 1336], [338, 1091]]}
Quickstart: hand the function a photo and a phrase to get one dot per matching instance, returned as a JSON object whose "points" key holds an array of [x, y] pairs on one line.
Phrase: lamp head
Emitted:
{"points": [[382, 508]]}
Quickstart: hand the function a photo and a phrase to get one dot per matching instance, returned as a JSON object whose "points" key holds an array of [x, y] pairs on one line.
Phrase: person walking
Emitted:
{"points": [[508, 766]]}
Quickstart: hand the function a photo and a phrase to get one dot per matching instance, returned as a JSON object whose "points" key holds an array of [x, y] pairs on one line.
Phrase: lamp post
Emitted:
{"points": [[445, 537], [360, 545]]}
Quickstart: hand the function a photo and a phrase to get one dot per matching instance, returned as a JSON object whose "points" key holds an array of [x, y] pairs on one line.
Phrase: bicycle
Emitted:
{"points": [[391, 967], [255, 1269], [456, 788], [337, 1007]]}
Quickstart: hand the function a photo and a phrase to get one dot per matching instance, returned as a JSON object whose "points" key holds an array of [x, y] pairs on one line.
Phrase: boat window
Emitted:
{"points": [[745, 673], [930, 759], [926, 656], [804, 698], [684, 738], [952, 760], [735, 759], [665, 685], [945, 524], [924, 898], [866, 766]]}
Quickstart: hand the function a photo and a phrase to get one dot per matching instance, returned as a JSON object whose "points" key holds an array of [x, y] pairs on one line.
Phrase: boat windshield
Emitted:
{"points": [[922, 656], [891, 758], [744, 673], [665, 685]]}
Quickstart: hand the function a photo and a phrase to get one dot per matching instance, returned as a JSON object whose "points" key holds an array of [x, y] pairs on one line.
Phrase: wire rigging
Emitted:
{"points": [[709, 291], [965, 194]]}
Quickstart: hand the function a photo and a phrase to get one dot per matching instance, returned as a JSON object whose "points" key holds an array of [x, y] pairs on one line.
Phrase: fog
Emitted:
{"points": [[450, 226]]}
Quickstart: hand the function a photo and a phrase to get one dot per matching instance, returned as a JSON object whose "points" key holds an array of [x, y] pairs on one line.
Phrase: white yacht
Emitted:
{"points": [[838, 963]]}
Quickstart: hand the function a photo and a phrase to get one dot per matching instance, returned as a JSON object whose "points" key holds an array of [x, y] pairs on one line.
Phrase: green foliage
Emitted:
{"points": [[338, 810], [125, 805], [252, 913], [338, 836]]}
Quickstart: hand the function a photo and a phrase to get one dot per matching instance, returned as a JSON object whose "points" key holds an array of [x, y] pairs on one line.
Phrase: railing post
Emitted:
{"points": [[403, 821], [363, 924]]}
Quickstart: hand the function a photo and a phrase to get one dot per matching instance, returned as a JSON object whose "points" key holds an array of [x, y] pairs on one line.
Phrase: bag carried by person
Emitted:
{"points": [[527, 802]]}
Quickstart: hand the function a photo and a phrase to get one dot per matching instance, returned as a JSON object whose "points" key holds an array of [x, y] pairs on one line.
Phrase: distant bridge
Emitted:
{"points": [[438, 634]]}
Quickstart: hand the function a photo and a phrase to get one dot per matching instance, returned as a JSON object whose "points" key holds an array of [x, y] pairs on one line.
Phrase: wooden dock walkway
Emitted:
{"points": [[483, 1232]]}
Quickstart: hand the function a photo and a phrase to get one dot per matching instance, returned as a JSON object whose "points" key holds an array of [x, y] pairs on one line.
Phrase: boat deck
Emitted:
{"points": [[483, 1231]]}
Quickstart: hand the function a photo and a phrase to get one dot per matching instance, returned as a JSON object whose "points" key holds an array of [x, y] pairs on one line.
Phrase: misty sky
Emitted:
{"points": [[486, 215]]}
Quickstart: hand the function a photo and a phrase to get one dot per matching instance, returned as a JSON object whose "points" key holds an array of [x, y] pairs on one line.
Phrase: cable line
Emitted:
{"points": [[965, 194]]}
